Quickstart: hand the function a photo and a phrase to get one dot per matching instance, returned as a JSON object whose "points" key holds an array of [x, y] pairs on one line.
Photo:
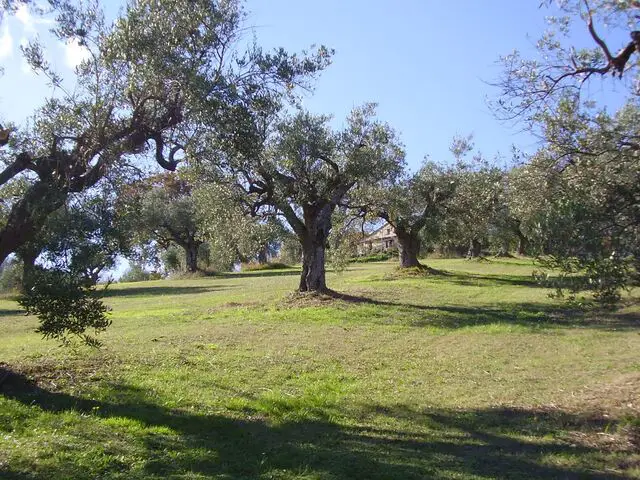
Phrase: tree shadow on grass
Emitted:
{"points": [[155, 290], [436, 443], [10, 312], [260, 273], [531, 314], [484, 280], [467, 279]]}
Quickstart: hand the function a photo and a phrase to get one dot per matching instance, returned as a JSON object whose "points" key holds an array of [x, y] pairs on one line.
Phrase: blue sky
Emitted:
{"points": [[426, 63]]}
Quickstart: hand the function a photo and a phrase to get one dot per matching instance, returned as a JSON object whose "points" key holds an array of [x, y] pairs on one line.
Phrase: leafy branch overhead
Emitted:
{"points": [[161, 72], [529, 86]]}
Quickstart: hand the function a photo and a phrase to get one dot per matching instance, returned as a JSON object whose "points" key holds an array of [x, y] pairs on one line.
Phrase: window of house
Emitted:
{"points": [[388, 231]]}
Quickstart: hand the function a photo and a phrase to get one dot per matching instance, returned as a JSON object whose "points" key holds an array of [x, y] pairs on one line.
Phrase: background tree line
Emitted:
{"points": [[181, 145]]}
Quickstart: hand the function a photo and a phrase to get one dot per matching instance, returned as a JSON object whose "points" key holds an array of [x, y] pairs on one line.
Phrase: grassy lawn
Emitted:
{"points": [[472, 374]]}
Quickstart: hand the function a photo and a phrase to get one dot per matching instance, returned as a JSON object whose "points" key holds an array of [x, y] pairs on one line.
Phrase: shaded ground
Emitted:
{"points": [[494, 443]]}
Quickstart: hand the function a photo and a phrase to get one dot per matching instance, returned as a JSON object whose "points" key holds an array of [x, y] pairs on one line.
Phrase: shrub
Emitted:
{"points": [[375, 257], [136, 273], [254, 267], [65, 305]]}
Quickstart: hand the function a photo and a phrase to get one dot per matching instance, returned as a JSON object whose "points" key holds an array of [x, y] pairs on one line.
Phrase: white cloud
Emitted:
{"points": [[28, 21], [25, 18], [6, 43], [74, 53]]}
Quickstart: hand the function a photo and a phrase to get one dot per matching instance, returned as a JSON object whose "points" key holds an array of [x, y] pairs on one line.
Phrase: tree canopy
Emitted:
{"points": [[302, 171]]}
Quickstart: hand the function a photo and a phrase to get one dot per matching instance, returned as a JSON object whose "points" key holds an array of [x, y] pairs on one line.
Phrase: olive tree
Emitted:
{"points": [[475, 202], [84, 237], [531, 87], [591, 153], [147, 80], [231, 233], [161, 209], [414, 203], [302, 170]]}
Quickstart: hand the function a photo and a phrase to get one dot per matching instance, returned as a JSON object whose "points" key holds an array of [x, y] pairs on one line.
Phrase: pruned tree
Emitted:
{"points": [[415, 203], [302, 171], [159, 64]]}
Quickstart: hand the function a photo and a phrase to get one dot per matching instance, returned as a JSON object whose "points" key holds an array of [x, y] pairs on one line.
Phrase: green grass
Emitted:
{"points": [[474, 374]]}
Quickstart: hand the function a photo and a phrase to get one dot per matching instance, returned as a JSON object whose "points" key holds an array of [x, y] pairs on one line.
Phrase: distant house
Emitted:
{"points": [[381, 240]]}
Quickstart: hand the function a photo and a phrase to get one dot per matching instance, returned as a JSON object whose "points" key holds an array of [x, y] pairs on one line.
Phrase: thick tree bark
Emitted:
{"points": [[28, 257], [523, 243], [313, 277], [475, 249], [408, 248], [314, 241], [28, 216], [191, 254]]}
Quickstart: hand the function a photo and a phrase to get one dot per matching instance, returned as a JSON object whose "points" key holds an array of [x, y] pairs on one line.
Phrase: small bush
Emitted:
{"points": [[255, 267], [375, 257], [135, 273], [65, 305]]}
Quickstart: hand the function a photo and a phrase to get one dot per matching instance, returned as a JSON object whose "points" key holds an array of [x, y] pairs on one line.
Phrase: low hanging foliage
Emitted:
{"points": [[604, 278], [66, 305]]}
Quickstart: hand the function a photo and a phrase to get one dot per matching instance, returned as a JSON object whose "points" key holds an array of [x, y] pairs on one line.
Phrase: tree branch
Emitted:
{"points": [[20, 164], [4, 136], [618, 62]]}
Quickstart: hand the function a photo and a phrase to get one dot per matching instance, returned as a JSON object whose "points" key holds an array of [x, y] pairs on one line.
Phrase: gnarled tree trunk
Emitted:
{"points": [[408, 248], [314, 242], [28, 255], [191, 254], [313, 274], [523, 244], [475, 249]]}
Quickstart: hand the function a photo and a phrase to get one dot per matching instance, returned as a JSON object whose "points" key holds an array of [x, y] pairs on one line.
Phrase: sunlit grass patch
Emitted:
{"points": [[472, 374]]}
